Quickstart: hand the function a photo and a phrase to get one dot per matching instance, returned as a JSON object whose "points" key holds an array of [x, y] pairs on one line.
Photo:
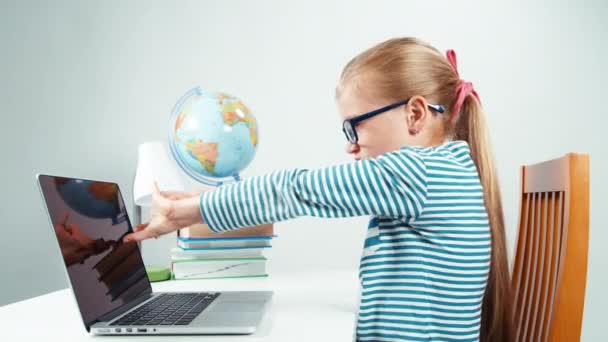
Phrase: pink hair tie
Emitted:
{"points": [[463, 89]]}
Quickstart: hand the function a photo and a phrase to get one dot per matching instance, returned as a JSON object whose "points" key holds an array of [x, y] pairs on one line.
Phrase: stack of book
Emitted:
{"points": [[202, 254]]}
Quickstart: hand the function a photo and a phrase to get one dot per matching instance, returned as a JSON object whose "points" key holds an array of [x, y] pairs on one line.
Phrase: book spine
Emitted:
{"points": [[226, 277]]}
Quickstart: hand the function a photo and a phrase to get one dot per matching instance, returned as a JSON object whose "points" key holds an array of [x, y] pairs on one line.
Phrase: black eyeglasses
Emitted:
{"points": [[348, 127]]}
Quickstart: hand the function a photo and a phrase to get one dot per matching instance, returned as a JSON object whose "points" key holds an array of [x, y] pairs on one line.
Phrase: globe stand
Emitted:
{"points": [[228, 180]]}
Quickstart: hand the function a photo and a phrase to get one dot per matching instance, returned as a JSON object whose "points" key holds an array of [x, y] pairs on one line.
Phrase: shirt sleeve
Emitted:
{"points": [[391, 185]]}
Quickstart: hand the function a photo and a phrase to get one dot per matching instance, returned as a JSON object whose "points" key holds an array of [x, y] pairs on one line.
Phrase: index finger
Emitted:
{"points": [[140, 235]]}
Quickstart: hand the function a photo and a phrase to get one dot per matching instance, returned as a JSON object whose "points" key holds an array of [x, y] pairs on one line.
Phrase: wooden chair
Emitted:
{"points": [[550, 264]]}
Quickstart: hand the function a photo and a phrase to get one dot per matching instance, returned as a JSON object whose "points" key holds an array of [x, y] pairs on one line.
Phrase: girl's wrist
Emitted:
{"points": [[195, 193], [185, 212]]}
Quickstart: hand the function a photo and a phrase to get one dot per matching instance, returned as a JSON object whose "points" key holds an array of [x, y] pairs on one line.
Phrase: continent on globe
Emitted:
{"points": [[235, 111], [205, 153], [179, 121]]}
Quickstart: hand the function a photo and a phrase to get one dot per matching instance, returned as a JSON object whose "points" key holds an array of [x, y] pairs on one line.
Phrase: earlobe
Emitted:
{"points": [[409, 117], [412, 124]]}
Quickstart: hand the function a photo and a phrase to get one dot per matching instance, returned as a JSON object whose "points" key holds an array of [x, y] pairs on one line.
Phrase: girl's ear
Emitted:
{"points": [[416, 111]]}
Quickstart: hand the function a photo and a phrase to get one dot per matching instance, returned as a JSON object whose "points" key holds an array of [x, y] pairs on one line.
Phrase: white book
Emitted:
{"points": [[219, 268], [178, 253]]}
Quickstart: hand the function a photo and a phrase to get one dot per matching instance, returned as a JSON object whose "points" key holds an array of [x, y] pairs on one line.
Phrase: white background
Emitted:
{"points": [[82, 83]]}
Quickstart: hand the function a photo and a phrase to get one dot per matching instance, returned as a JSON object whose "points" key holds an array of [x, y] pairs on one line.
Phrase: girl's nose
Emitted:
{"points": [[352, 148]]}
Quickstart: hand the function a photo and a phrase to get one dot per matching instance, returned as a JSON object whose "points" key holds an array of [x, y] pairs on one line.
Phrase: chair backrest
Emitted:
{"points": [[550, 264]]}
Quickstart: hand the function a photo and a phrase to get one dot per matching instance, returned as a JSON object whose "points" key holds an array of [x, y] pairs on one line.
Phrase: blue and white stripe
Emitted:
{"points": [[426, 259]]}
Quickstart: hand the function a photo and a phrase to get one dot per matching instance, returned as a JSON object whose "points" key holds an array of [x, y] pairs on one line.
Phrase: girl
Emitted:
{"points": [[434, 266]]}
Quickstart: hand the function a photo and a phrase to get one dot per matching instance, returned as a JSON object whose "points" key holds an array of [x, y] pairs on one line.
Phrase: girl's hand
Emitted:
{"points": [[160, 217]]}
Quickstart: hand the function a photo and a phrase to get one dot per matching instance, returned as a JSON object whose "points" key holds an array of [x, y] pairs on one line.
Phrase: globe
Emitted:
{"points": [[213, 136]]}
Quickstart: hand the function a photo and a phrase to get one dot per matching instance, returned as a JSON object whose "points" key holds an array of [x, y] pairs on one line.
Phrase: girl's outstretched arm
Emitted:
{"points": [[393, 185]]}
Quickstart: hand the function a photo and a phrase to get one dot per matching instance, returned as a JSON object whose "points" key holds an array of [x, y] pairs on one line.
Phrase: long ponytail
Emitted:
{"points": [[496, 312]]}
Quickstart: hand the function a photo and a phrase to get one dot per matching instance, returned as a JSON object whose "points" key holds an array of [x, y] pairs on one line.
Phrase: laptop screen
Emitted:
{"points": [[89, 220]]}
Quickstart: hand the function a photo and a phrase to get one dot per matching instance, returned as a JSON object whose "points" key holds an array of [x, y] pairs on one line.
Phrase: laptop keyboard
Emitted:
{"points": [[169, 309]]}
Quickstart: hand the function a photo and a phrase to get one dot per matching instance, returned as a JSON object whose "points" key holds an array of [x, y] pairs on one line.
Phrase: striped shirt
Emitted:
{"points": [[426, 257]]}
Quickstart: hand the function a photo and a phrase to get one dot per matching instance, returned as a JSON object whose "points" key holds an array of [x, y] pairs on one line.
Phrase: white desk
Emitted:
{"points": [[306, 307]]}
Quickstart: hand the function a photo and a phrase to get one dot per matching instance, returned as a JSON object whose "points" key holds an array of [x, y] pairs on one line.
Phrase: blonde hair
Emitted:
{"points": [[404, 67]]}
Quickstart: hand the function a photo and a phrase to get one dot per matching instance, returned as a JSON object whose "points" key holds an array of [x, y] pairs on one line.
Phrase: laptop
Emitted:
{"points": [[108, 277]]}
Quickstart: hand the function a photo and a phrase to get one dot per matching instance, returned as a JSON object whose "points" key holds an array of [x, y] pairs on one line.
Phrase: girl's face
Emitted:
{"points": [[380, 134]]}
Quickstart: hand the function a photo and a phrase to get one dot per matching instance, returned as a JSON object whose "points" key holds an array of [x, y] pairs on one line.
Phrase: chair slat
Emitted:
{"points": [[531, 284], [540, 268], [521, 248], [545, 296], [523, 304]]}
